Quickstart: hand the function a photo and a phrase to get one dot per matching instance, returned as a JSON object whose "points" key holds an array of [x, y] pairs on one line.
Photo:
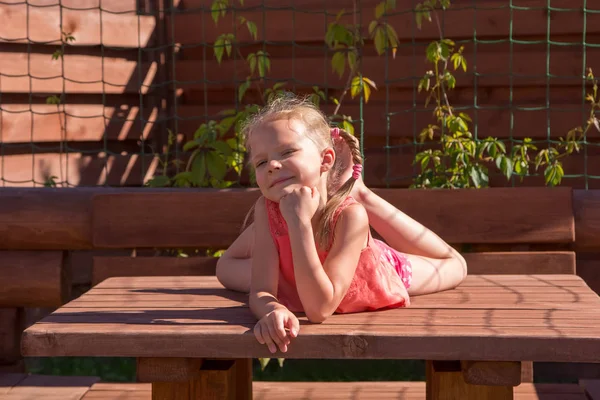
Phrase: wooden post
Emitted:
{"points": [[446, 380], [11, 327], [195, 379]]}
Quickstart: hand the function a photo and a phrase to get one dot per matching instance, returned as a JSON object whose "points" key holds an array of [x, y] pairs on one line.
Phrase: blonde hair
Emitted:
{"points": [[319, 131]]}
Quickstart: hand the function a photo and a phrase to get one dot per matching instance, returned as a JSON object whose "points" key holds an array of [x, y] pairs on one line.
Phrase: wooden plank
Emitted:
{"points": [[586, 206], [11, 326], [33, 279], [325, 390], [592, 388], [506, 373], [38, 72], [114, 6], [492, 63], [108, 267], [588, 267], [23, 123], [217, 381], [444, 341], [7, 381], [406, 120], [458, 317], [167, 369], [551, 262], [527, 215], [216, 228], [45, 219], [491, 18], [445, 383], [52, 387], [478, 281], [77, 169], [22, 24]]}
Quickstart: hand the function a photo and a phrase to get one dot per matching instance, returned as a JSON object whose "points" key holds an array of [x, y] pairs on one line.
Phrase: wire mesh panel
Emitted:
{"points": [[131, 92]]}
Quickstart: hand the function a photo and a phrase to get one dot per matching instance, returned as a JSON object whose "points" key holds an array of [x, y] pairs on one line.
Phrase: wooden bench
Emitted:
{"points": [[21, 386], [531, 231]]}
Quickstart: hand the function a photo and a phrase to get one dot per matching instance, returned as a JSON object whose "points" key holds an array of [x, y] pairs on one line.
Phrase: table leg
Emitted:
{"points": [[472, 380], [195, 379]]}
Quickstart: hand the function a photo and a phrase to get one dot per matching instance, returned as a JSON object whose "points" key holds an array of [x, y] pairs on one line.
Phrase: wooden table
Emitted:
{"points": [[192, 338]]}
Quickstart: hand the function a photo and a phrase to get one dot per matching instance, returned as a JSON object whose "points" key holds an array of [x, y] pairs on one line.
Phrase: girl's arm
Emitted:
{"points": [[265, 267], [234, 266], [273, 317], [322, 287]]}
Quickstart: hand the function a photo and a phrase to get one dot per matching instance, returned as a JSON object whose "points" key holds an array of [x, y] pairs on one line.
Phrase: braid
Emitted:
{"points": [[334, 201]]}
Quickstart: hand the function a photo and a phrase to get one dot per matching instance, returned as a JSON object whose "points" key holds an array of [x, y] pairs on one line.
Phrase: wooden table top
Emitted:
{"points": [[489, 317]]}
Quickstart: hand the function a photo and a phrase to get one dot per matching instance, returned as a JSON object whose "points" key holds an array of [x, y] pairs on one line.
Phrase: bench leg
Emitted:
{"points": [[195, 379], [446, 380]]}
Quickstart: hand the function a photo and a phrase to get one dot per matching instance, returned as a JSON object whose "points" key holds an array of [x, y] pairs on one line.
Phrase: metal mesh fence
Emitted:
{"points": [[130, 93]]}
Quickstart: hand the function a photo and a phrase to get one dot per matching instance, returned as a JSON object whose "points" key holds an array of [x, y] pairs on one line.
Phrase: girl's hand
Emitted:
{"points": [[300, 205], [271, 329]]}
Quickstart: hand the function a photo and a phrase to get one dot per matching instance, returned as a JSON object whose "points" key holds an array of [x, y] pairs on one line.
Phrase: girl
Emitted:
{"points": [[309, 248]]}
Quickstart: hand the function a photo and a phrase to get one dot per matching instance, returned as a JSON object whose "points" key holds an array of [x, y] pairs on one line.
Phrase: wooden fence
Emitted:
{"points": [[137, 68]]}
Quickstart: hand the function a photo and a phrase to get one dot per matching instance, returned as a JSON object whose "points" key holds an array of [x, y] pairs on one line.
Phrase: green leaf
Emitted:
{"points": [[219, 8], [263, 363], [264, 63], [392, 35], [219, 48], [216, 165], [252, 29], [222, 147], [347, 126], [159, 181], [251, 60], [183, 179], [243, 88], [190, 145], [554, 174], [432, 52], [198, 169], [338, 63], [379, 10], [380, 40], [352, 60]]}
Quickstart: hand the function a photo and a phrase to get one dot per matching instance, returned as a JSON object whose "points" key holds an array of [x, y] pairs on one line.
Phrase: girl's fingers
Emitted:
{"points": [[274, 336], [293, 325], [268, 339], [258, 334]]}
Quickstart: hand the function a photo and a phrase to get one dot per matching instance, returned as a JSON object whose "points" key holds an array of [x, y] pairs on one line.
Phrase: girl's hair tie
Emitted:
{"points": [[335, 134], [357, 168]]}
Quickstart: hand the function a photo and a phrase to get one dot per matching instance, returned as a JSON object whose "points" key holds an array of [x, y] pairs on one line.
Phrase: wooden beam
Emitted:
{"points": [[23, 123], [222, 228], [586, 206], [11, 327], [20, 23], [493, 18], [526, 215], [114, 6], [45, 219], [520, 262], [33, 279], [167, 369], [493, 69], [77, 169], [445, 381], [403, 122], [502, 373], [108, 267], [74, 73]]}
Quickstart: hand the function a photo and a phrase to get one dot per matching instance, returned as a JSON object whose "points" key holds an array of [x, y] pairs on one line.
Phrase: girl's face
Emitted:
{"points": [[285, 158]]}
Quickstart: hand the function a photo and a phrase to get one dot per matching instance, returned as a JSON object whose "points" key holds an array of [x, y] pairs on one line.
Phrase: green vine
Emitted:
{"points": [[460, 160]]}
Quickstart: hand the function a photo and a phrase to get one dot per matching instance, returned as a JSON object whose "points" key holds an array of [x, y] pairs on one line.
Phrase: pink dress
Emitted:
{"points": [[380, 281]]}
